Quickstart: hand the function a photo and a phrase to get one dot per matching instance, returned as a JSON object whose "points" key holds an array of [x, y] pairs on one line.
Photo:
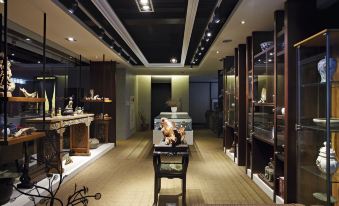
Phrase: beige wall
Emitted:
{"points": [[143, 97], [180, 91]]}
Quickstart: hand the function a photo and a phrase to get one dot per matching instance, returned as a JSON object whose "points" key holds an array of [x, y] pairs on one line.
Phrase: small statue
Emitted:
{"points": [[269, 171], [263, 96], [10, 83], [29, 95], [172, 135], [25, 131], [69, 107]]}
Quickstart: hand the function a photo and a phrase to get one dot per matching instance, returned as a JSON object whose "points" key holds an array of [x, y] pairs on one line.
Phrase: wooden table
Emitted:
{"points": [[79, 130]]}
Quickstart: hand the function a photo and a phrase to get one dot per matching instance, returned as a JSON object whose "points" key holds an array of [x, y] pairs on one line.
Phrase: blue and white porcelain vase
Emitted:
{"points": [[322, 68]]}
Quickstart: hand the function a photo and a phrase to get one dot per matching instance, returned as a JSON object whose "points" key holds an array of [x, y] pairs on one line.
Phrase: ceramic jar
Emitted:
{"points": [[322, 68], [321, 160], [174, 109]]}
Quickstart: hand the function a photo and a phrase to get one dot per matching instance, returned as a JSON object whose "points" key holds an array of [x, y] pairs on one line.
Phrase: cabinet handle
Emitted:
{"points": [[298, 127]]}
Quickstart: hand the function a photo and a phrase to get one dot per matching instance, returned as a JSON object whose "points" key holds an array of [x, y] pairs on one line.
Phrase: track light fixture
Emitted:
{"points": [[73, 7], [216, 17]]}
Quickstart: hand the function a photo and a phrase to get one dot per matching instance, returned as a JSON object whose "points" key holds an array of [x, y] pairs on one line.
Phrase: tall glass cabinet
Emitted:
{"points": [[318, 119]]}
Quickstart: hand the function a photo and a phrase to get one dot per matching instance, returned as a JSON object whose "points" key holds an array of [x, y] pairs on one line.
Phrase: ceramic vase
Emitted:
{"points": [[322, 68], [321, 160], [174, 109]]}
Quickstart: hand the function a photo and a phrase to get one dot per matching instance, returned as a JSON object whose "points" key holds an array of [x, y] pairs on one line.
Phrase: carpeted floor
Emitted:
{"points": [[124, 176]]}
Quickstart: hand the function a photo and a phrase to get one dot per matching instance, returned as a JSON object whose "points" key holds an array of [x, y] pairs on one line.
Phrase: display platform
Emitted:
{"points": [[70, 170], [180, 119]]}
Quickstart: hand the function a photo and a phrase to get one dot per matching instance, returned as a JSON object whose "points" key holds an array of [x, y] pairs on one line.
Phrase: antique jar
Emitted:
{"points": [[321, 160]]}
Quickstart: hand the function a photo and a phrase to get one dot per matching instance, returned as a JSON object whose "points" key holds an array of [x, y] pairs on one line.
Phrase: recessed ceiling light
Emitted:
{"points": [[209, 34], [202, 48], [217, 52], [28, 39], [242, 22], [199, 53], [12, 54], [144, 2], [71, 39], [146, 7], [173, 60]]}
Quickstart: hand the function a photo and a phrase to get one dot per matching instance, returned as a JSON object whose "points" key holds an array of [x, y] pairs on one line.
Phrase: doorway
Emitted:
{"points": [[160, 93]]}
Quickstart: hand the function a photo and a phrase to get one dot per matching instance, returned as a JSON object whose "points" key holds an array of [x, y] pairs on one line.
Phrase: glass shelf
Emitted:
{"points": [[322, 84]]}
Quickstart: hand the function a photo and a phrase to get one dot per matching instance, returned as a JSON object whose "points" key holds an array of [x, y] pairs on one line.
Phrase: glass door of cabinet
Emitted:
{"points": [[263, 90], [318, 112], [230, 93]]}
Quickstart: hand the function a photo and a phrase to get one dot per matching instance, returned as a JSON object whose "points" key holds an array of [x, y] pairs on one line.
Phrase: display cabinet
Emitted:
{"points": [[317, 118], [240, 103], [249, 109], [262, 132], [229, 106], [279, 106]]}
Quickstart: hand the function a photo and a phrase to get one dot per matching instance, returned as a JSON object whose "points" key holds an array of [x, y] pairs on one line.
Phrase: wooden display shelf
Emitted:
{"points": [[22, 99], [102, 119], [25, 138], [96, 101], [264, 139], [263, 104]]}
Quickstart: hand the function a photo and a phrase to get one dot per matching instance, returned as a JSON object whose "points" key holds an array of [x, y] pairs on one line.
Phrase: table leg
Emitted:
{"points": [[25, 178]]}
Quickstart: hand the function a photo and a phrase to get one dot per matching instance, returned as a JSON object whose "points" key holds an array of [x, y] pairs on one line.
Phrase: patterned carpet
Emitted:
{"points": [[125, 176]]}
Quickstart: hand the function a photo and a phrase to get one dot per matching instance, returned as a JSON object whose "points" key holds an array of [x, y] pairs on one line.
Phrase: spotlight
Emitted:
{"points": [[73, 8], [242, 22], [202, 48], [28, 39], [144, 2], [71, 39], [209, 34], [207, 40], [101, 33], [199, 53], [146, 7], [173, 60], [217, 52], [216, 18]]}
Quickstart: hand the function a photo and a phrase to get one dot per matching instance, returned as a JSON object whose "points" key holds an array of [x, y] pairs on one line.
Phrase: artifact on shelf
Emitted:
{"points": [[232, 150], [269, 171], [91, 93], [173, 104], [10, 83], [59, 112], [321, 160], [79, 110], [322, 68], [93, 143], [265, 45], [25, 131], [28, 95], [172, 135], [11, 128], [69, 107], [263, 96]]}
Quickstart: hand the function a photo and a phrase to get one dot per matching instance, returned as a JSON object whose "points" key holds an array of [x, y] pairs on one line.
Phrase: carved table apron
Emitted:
{"points": [[79, 130]]}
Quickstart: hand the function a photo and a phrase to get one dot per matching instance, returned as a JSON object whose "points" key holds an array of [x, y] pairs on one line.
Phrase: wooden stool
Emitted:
{"points": [[170, 169]]}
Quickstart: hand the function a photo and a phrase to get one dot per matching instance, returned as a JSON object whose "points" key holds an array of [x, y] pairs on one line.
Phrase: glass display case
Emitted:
{"points": [[181, 119], [263, 91], [317, 118], [249, 107], [230, 96]]}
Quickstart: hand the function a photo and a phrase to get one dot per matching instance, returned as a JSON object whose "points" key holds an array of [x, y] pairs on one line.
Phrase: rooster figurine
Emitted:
{"points": [[30, 95]]}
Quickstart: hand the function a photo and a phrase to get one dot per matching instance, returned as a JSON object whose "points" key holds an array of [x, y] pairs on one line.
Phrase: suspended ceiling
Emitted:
{"points": [[158, 37]]}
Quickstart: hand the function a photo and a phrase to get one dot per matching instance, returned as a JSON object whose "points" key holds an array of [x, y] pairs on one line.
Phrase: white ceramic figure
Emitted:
{"points": [[263, 96], [321, 160], [24, 131], [30, 95], [322, 68], [91, 93]]}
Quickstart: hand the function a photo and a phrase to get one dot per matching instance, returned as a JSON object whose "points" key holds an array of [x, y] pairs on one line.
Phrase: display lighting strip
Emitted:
{"points": [[208, 34], [115, 44], [145, 5]]}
